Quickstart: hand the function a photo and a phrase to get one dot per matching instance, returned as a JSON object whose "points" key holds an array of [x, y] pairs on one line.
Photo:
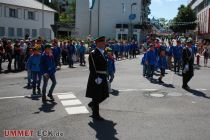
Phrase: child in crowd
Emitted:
{"points": [[143, 62], [111, 67], [162, 64]]}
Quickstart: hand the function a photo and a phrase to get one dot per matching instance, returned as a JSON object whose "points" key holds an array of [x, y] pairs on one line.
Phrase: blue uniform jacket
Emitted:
{"points": [[177, 52], [47, 64], [116, 48], [56, 52], [82, 49], [151, 57], [143, 60], [33, 63], [111, 65], [162, 62], [71, 49]]}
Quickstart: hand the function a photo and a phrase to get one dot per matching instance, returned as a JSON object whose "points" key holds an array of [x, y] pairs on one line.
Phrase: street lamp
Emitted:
{"points": [[133, 4], [123, 11]]}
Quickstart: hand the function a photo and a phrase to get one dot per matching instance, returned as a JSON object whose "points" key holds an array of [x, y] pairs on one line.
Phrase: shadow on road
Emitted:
{"points": [[104, 129], [46, 107], [198, 93], [155, 81], [115, 92], [34, 97]]}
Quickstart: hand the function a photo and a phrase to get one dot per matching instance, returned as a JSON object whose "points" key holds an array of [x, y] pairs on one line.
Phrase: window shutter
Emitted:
{"points": [[6, 11], [36, 16], [26, 14], [19, 13]]}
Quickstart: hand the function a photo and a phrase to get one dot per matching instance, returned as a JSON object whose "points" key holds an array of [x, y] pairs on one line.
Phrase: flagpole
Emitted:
{"points": [[90, 24], [42, 18], [98, 18]]}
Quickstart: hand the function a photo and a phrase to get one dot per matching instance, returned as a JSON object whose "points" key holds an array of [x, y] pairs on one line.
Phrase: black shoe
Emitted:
{"points": [[34, 91], [160, 81], [99, 118], [39, 91], [186, 87], [51, 97], [44, 100], [90, 104]]}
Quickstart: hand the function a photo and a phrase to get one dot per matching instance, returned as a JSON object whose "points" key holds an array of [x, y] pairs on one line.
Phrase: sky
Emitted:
{"points": [[165, 8]]}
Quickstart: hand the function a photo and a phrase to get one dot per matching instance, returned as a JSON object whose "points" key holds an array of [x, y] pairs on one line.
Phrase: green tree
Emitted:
{"points": [[184, 21]]}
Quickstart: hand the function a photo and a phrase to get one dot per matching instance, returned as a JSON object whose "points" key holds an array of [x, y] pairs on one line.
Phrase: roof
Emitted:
{"points": [[27, 3]]}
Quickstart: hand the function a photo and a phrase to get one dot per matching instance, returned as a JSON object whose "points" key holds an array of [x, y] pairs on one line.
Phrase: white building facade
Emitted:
{"points": [[21, 17], [109, 18], [202, 9]]}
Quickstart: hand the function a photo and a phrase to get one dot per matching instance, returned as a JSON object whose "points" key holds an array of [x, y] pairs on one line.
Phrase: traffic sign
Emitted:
{"points": [[132, 16]]}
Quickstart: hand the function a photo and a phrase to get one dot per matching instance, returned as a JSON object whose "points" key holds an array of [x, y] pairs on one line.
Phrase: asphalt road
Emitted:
{"points": [[137, 110]]}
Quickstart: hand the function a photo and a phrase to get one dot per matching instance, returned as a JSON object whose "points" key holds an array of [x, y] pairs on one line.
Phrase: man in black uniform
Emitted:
{"points": [[188, 61], [97, 87]]}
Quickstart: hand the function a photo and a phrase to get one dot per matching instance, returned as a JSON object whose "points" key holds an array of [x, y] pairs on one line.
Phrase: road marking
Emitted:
{"points": [[157, 95], [76, 110], [71, 102], [12, 97], [175, 94], [201, 89], [126, 90], [66, 96]]}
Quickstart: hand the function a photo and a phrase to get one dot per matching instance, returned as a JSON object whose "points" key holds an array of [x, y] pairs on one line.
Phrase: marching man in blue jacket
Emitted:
{"points": [[151, 61], [48, 70], [162, 64], [33, 65]]}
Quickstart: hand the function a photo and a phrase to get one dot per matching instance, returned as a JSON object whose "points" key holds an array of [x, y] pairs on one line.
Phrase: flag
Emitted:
{"points": [[123, 4], [91, 4]]}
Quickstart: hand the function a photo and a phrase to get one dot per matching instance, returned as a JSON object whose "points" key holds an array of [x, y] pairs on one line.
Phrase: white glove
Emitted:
{"points": [[98, 80], [186, 68], [46, 75]]}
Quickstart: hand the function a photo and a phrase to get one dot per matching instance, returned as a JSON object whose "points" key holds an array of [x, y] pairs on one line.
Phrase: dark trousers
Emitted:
{"points": [[82, 59], [57, 61], [9, 57], [70, 59], [145, 70], [44, 88], [17, 62], [95, 107], [187, 77], [177, 64], [134, 53], [151, 69], [116, 55], [64, 58], [36, 79], [0, 62]]}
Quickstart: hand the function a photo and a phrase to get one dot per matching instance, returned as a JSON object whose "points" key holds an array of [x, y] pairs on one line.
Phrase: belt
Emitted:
{"points": [[101, 72]]}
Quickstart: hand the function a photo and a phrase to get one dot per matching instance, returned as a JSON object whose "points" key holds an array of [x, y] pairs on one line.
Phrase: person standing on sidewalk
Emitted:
{"points": [[48, 70], [71, 52], [82, 50], [97, 87]]}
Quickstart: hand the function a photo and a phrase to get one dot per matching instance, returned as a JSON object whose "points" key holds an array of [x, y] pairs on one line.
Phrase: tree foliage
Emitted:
{"points": [[184, 21]]}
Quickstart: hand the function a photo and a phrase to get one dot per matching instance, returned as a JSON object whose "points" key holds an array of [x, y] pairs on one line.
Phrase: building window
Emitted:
{"points": [[13, 13], [31, 15], [2, 31], [34, 33], [19, 32], [27, 31], [11, 32]]}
